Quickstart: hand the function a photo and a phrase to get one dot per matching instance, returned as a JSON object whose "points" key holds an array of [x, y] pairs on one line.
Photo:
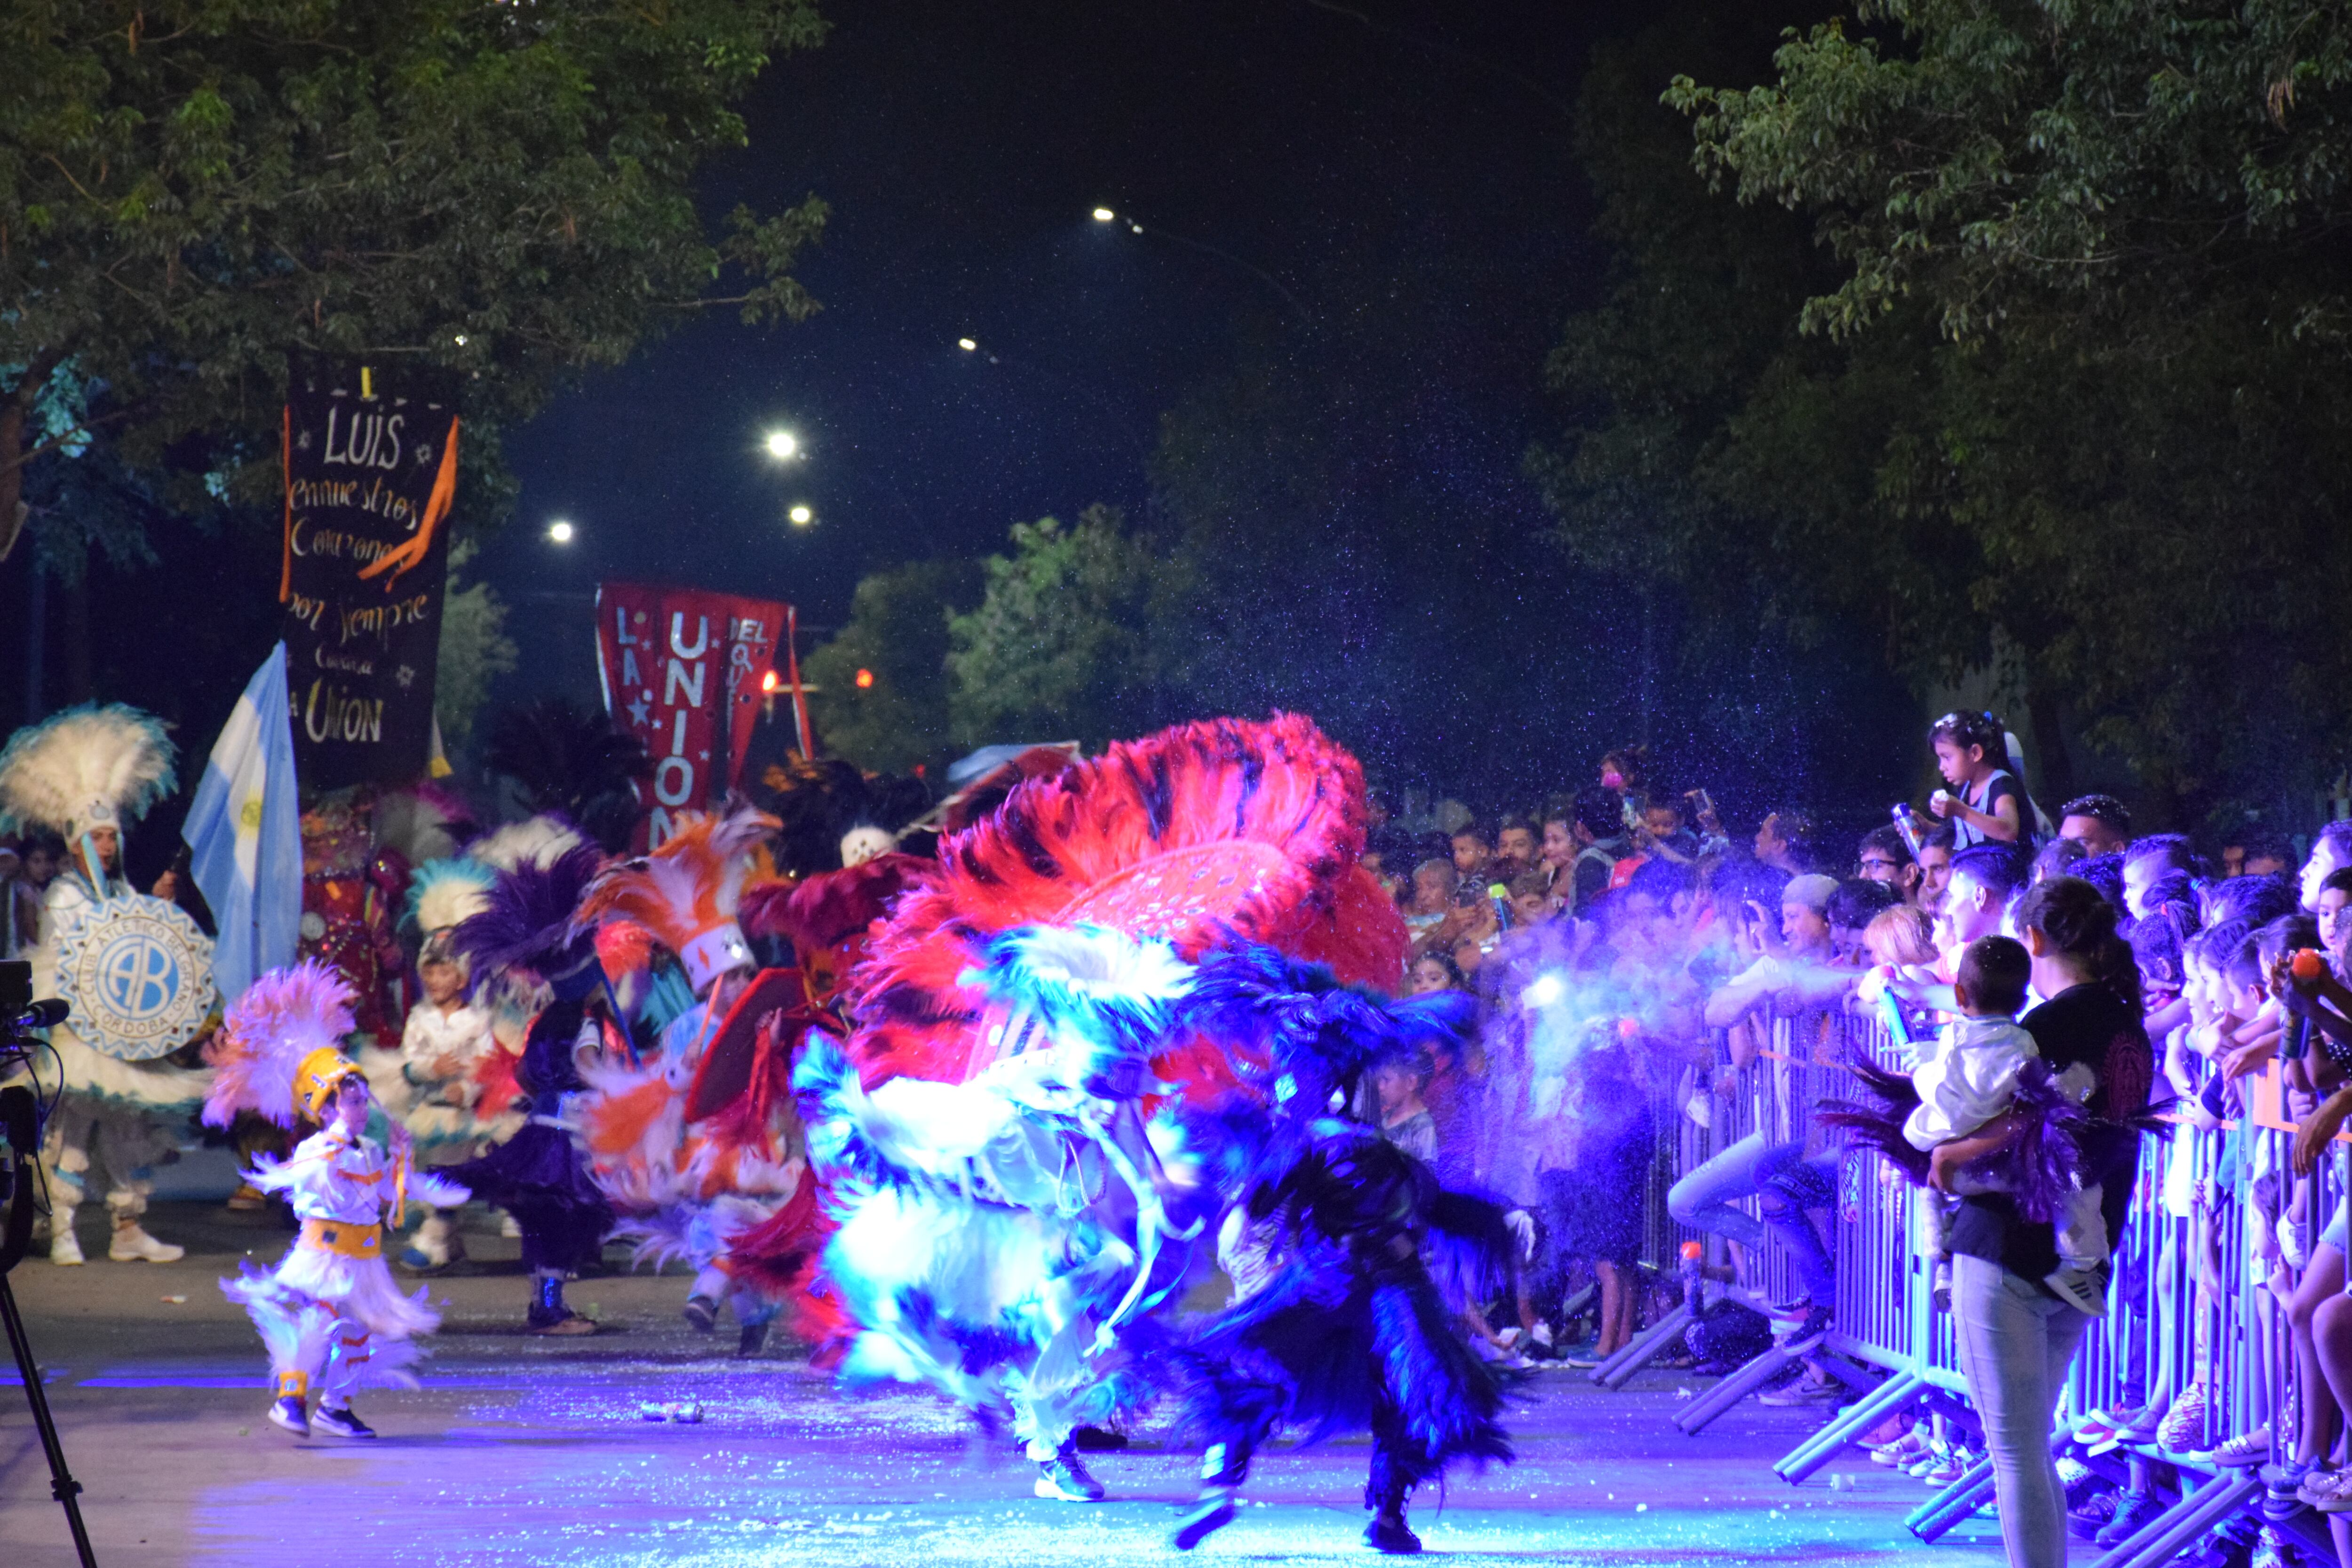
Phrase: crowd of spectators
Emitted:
{"points": [[1631, 960]]}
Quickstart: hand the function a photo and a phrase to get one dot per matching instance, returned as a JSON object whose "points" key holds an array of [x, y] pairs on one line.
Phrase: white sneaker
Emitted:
{"points": [[133, 1244], [2085, 1289], [64, 1249]]}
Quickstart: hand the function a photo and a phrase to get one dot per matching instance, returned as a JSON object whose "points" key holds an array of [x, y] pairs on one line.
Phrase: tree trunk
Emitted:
{"points": [[75, 637], [2050, 751]]}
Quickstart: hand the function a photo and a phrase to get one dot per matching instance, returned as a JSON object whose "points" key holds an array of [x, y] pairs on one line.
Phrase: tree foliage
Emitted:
{"points": [[898, 633], [1073, 637], [475, 648], [2023, 350], [190, 189]]}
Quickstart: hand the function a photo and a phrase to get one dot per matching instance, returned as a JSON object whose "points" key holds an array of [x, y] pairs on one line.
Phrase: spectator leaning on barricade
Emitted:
{"points": [[1789, 972]]}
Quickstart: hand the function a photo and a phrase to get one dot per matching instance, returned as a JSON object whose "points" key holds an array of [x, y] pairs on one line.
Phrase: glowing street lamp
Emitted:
{"points": [[559, 531], [967, 344], [802, 515], [783, 445], [1104, 214]]}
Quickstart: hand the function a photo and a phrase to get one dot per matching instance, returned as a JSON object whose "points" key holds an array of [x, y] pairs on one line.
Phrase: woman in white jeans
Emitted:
{"points": [[2016, 1338]]}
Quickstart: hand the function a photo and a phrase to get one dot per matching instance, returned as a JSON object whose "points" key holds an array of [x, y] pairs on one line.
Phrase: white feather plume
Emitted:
{"points": [[542, 840], [86, 763]]}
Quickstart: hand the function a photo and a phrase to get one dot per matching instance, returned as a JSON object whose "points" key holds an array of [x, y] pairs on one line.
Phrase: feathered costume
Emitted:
{"points": [[525, 939], [688, 1185], [2039, 1168], [1015, 1282], [1352, 1264], [1222, 827], [329, 1314], [1005, 1237], [80, 771]]}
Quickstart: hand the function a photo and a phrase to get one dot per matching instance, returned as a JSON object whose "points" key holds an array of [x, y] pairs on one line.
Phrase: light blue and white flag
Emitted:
{"points": [[245, 835]]}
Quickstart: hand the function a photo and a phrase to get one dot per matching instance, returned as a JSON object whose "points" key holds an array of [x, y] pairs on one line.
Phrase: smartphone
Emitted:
{"points": [[1631, 818], [1702, 802]]}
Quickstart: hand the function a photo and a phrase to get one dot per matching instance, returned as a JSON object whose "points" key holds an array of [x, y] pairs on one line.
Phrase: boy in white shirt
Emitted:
{"points": [[1968, 1078]]}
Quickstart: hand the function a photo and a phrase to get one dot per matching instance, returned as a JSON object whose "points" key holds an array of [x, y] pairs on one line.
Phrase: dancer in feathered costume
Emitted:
{"points": [[686, 1195], [329, 1314], [526, 937], [1007, 1238], [428, 1085], [1352, 1264], [1185, 836], [85, 772]]}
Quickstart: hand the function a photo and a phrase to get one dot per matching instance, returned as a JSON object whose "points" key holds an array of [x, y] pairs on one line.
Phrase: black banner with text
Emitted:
{"points": [[370, 472]]}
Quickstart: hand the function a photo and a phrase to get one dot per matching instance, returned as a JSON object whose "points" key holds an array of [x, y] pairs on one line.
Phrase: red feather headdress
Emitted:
{"points": [[1220, 827]]}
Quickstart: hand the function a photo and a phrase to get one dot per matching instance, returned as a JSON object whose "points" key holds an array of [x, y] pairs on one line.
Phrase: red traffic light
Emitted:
{"points": [[865, 678]]}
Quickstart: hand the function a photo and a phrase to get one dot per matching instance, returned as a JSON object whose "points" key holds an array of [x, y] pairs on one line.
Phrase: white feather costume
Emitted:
{"points": [[330, 1312], [429, 1084], [83, 769]]}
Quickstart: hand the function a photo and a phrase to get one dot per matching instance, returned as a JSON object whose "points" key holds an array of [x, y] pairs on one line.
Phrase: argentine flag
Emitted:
{"points": [[245, 835]]}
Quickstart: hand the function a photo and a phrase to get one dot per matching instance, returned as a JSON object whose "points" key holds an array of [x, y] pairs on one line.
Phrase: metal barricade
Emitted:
{"points": [[2192, 1303]]}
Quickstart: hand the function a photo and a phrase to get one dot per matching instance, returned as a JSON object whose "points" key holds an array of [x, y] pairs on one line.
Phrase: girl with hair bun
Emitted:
{"points": [[2016, 1337]]}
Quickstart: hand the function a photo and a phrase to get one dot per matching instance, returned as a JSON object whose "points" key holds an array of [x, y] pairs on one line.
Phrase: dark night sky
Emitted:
{"points": [[962, 149]]}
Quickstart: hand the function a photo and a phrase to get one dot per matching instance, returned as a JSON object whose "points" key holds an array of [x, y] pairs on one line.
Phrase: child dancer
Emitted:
{"points": [[329, 1314]]}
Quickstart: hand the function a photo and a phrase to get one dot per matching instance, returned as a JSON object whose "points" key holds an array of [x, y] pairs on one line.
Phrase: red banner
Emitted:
{"points": [[756, 629], [681, 671]]}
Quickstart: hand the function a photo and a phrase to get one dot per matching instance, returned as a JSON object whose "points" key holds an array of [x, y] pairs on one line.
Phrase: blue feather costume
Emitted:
{"points": [[1353, 1263]]}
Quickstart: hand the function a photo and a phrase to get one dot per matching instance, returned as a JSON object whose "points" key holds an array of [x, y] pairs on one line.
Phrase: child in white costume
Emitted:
{"points": [[1969, 1078], [428, 1085], [329, 1313]]}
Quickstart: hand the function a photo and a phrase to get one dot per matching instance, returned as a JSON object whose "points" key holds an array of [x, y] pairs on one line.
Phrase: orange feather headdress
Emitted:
{"points": [[685, 892]]}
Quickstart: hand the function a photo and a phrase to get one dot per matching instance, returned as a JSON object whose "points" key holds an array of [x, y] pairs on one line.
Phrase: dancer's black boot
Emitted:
{"points": [[1223, 1469]]}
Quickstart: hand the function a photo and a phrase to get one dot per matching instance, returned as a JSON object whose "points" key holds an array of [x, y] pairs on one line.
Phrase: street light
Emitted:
{"points": [[1104, 214], [802, 515], [967, 344], [783, 445], [559, 531]]}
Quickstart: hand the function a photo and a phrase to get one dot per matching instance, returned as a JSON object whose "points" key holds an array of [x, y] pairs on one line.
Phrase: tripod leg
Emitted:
{"points": [[62, 1486]]}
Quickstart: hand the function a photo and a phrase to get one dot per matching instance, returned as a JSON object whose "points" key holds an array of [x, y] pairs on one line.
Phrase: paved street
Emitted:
{"points": [[525, 1451]]}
